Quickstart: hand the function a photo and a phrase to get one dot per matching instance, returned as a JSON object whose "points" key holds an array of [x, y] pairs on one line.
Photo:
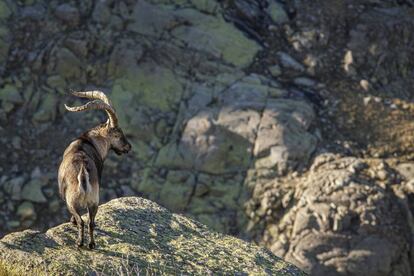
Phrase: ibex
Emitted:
{"points": [[81, 168]]}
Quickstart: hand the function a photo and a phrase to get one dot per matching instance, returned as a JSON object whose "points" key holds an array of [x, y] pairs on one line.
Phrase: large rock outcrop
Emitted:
{"points": [[345, 216], [231, 107], [135, 235]]}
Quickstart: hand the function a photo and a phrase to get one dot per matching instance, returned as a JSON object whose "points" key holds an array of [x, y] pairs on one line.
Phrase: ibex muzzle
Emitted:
{"points": [[81, 168]]}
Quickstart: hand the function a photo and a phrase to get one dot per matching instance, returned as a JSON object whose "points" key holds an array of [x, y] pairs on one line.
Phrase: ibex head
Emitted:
{"points": [[109, 130]]}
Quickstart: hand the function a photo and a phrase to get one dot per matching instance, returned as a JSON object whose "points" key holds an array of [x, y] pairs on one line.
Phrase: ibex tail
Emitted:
{"points": [[83, 180]]}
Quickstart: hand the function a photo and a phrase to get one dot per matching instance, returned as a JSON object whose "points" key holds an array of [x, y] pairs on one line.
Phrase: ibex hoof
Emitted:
{"points": [[79, 243], [73, 221], [91, 245]]}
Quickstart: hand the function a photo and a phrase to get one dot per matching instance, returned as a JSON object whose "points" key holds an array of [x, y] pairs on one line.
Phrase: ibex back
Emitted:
{"points": [[81, 168]]}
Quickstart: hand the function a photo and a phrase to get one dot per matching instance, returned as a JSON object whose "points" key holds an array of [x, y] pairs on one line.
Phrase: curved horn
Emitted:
{"points": [[97, 104], [93, 95]]}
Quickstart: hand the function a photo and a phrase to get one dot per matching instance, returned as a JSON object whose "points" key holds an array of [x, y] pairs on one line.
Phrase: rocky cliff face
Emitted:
{"points": [[178, 73], [136, 236], [285, 122]]}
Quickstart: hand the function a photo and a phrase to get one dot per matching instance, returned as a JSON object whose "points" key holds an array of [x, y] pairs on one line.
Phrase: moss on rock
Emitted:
{"points": [[5, 11], [137, 235], [151, 85], [9, 97]]}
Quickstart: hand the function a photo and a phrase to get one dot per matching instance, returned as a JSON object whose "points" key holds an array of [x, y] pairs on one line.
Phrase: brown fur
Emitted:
{"points": [[80, 173]]}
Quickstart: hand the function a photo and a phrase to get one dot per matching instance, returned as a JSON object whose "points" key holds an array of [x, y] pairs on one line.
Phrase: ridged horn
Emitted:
{"points": [[97, 104], [95, 94]]}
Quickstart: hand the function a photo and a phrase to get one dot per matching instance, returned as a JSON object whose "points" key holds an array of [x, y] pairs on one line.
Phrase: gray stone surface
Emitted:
{"points": [[14, 187], [289, 62], [406, 170], [283, 142], [277, 12], [26, 211], [340, 216], [207, 92], [32, 191], [68, 14]]}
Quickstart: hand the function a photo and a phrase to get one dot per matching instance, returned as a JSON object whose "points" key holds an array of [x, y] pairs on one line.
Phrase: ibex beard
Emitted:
{"points": [[80, 171]]}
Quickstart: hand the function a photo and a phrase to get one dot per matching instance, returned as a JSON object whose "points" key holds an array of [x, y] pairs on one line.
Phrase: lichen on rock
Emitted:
{"points": [[136, 235]]}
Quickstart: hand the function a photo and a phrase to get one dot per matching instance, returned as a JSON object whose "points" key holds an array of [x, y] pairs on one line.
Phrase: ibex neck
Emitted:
{"points": [[102, 146], [99, 142]]}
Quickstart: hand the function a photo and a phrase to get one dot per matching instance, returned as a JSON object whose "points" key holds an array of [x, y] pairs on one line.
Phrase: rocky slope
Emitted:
{"points": [[289, 123], [135, 235], [178, 74]]}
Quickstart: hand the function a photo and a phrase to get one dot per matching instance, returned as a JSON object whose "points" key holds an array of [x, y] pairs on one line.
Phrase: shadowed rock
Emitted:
{"points": [[349, 218], [137, 235]]}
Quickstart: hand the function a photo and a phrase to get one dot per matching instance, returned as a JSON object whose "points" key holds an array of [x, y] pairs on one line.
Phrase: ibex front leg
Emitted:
{"points": [[92, 213]]}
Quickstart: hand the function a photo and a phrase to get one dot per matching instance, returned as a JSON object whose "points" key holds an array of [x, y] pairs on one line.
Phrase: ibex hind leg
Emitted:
{"points": [[79, 223], [73, 220], [92, 209]]}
